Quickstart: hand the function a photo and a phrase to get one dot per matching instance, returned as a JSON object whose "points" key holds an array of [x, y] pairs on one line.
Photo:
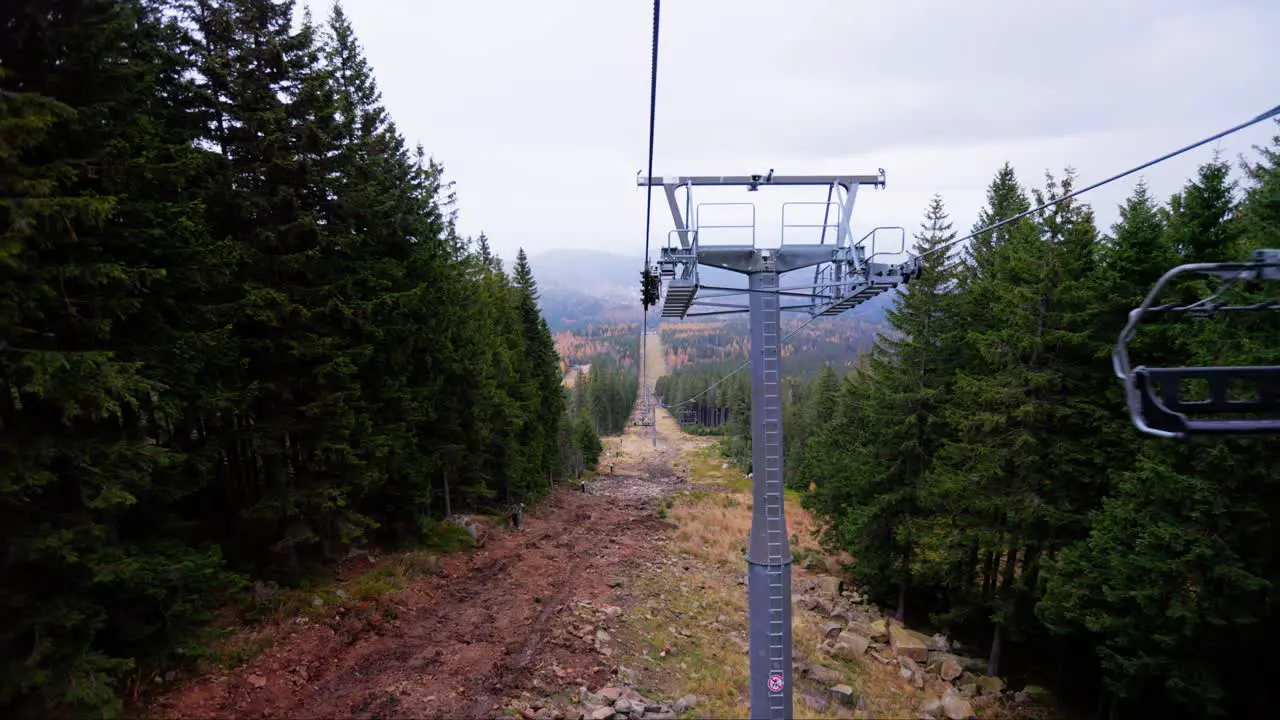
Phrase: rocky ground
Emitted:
{"points": [[854, 630]]}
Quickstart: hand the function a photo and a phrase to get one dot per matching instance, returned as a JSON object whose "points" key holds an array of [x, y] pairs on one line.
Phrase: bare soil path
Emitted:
{"points": [[493, 623]]}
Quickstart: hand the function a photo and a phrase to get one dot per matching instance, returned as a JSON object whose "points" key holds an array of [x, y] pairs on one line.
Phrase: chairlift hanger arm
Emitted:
{"points": [[753, 181]]}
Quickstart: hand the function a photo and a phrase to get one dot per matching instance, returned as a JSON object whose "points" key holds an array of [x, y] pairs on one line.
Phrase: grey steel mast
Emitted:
{"points": [[845, 276]]}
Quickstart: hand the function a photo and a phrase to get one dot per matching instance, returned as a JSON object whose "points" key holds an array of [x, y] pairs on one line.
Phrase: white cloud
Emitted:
{"points": [[539, 111]]}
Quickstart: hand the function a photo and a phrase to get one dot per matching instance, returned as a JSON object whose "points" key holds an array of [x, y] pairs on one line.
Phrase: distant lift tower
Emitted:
{"points": [[844, 276]]}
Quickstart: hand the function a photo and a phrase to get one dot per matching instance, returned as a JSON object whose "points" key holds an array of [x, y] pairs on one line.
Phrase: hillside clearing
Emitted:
{"points": [[631, 592]]}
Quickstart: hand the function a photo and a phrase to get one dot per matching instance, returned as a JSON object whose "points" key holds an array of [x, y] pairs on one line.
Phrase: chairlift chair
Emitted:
{"points": [[1153, 394]]}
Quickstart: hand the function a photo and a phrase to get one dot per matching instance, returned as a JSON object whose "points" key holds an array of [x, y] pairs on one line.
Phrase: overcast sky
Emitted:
{"points": [[539, 110]]}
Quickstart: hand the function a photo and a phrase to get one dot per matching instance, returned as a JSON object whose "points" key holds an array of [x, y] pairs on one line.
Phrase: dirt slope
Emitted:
{"points": [[463, 639], [492, 623]]}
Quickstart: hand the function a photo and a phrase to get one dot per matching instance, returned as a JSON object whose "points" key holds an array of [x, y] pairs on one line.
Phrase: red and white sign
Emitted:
{"points": [[775, 682]]}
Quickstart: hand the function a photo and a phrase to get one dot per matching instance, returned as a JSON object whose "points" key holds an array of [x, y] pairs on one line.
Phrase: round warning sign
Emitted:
{"points": [[775, 682]]}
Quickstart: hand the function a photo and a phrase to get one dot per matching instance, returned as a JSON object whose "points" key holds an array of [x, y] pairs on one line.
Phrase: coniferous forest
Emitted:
{"points": [[981, 469], [238, 333]]}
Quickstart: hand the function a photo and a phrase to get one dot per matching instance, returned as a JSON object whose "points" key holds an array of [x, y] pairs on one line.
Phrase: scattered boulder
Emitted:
{"points": [[843, 695], [948, 666], [688, 702], [940, 643], [822, 605], [932, 709], [841, 611], [828, 586], [874, 630], [850, 646], [609, 703], [908, 643], [610, 694], [912, 672], [824, 675], [637, 700], [832, 629], [815, 700], [956, 706]]}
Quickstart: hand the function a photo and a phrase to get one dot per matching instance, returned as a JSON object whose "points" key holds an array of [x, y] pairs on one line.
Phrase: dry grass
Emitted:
{"points": [[691, 605]]}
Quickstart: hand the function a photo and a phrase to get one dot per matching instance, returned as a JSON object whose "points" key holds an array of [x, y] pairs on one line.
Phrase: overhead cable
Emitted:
{"points": [[1273, 112]]}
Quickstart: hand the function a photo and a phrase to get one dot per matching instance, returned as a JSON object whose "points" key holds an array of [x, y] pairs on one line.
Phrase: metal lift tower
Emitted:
{"points": [[845, 275]]}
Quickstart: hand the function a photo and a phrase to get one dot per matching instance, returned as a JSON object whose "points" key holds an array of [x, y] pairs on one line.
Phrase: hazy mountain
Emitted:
{"points": [[585, 286], [590, 272]]}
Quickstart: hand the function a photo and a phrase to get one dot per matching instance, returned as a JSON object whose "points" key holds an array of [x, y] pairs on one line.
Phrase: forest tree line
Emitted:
{"points": [[982, 471], [607, 393], [239, 331], [697, 344], [725, 409], [580, 347]]}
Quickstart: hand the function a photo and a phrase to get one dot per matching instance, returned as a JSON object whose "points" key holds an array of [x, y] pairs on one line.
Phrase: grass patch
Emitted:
{"points": [[696, 610], [230, 648], [443, 538], [317, 596], [682, 639]]}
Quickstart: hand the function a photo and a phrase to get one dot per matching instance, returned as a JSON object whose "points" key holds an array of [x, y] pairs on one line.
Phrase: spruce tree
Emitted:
{"points": [[1005, 199], [894, 410], [1017, 400], [102, 238], [1171, 582], [291, 437], [541, 362]]}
